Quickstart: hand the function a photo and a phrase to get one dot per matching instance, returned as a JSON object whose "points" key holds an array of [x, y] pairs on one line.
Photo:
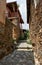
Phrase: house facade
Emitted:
{"points": [[5, 31], [9, 26], [15, 17]]}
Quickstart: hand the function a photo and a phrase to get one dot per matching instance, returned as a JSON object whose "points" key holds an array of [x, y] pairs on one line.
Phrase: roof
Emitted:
{"points": [[21, 20], [12, 3], [16, 7], [11, 6]]}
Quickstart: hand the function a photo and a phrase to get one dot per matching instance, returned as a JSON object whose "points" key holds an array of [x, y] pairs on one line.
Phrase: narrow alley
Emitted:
{"points": [[20, 56], [20, 32]]}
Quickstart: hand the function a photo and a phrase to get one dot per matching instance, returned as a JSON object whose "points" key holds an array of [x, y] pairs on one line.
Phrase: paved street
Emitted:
{"points": [[19, 57]]}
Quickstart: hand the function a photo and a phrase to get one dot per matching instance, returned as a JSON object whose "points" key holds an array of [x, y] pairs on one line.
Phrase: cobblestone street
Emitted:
{"points": [[19, 57]]}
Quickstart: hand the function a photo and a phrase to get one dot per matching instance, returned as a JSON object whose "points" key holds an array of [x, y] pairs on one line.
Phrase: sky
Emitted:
{"points": [[23, 10]]}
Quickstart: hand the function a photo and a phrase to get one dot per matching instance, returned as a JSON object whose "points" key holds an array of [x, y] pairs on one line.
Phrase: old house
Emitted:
{"points": [[10, 20], [21, 22], [14, 16], [6, 45], [34, 8]]}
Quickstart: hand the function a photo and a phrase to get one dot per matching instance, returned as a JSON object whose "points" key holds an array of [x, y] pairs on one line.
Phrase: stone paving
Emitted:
{"points": [[24, 45], [19, 57]]}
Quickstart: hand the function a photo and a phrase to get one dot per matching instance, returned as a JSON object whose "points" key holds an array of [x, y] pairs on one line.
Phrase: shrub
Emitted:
{"points": [[29, 41]]}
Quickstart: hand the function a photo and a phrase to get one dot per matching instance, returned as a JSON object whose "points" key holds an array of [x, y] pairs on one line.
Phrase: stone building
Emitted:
{"points": [[9, 26], [35, 22], [14, 16], [6, 40]]}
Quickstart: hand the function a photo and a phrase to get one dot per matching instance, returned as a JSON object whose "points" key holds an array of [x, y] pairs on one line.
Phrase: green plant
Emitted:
{"points": [[29, 41], [21, 38]]}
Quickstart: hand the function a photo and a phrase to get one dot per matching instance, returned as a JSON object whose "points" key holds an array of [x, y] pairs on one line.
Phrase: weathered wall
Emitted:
{"points": [[16, 28], [36, 28], [2, 10], [5, 31], [6, 40], [2, 16]]}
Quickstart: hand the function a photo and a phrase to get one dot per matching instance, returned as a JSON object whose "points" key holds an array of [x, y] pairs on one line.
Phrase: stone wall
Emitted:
{"points": [[6, 31], [36, 28], [6, 40], [16, 28], [2, 17]]}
